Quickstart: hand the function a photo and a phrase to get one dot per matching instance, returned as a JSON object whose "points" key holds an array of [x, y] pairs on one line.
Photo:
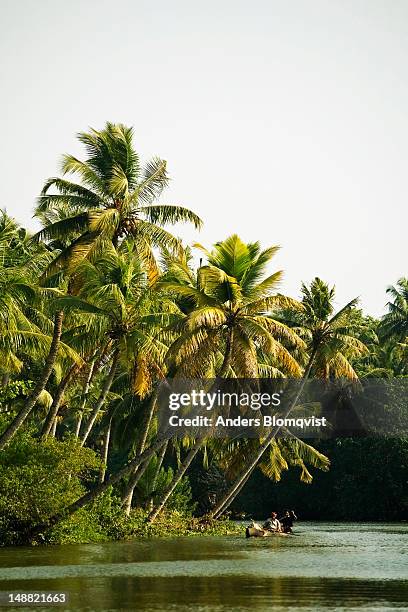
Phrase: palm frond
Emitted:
{"points": [[168, 214], [153, 181]]}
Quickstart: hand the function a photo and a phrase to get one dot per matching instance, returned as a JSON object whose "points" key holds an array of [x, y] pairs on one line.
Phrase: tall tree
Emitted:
{"points": [[227, 314], [116, 199], [331, 341], [115, 293], [394, 324], [30, 323], [41, 382]]}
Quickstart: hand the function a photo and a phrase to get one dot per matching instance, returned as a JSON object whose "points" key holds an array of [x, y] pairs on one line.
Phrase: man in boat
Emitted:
{"points": [[287, 521], [272, 523]]}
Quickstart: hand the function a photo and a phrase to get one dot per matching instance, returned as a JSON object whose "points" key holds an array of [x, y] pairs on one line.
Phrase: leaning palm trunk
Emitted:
{"points": [[157, 472], [84, 398], [127, 497], [253, 462], [105, 390], [96, 491], [229, 501], [105, 451], [78, 425], [41, 383], [54, 428], [177, 477], [147, 423], [56, 402], [134, 479]]}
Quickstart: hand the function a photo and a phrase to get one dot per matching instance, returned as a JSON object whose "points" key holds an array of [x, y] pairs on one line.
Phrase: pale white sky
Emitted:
{"points": [[283, 121]]}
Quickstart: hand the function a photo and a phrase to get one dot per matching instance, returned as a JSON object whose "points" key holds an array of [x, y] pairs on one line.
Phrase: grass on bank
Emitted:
{"points": [[105, 521]]}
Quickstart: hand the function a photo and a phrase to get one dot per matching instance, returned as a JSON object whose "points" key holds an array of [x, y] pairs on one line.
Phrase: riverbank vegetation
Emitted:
{"points": [[102, 304]]}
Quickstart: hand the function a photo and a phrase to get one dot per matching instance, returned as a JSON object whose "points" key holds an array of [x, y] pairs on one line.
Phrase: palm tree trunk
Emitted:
{"points": [[134, 479], [249, 468], [127, 496], [54, 427], [226, 364], [177, 477], [105, 452], [56, 402], [85, 397], [78, 425], [41, 383], [105, 390], [147, 423], [157, 472], [238, 484], [237, 492], [90, 496], [99, 360]]}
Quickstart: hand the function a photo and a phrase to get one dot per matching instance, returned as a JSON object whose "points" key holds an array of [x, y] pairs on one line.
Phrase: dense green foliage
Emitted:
{"points": [[102, 304], [39, 479], [367, 481]]}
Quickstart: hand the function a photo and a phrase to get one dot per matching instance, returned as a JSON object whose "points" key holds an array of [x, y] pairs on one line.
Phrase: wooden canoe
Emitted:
{"points": [[256, 531]]}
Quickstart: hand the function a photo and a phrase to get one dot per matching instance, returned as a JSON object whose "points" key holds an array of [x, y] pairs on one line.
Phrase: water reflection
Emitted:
{"points": [[230, 593], [327, 567]]}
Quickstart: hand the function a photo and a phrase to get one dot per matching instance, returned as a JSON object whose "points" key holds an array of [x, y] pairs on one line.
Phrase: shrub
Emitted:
{"points": [[39, 479]]}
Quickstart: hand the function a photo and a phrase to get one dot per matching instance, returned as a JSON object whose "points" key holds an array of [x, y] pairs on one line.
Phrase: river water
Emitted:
{"points": [[325, 566]]}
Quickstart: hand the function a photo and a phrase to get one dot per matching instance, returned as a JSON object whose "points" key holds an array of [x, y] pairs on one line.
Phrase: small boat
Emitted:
{"points": [[256, 531]]}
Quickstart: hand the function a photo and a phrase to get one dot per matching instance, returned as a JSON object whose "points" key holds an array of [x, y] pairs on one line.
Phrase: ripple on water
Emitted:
{"points": [[325, 567]]}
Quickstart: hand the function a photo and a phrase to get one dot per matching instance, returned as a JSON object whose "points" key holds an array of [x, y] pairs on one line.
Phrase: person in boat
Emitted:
{"points": [[272, 523], [287, 521]]}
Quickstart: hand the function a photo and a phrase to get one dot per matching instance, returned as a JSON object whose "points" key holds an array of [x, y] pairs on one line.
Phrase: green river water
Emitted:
{"points": [[324, 567]]}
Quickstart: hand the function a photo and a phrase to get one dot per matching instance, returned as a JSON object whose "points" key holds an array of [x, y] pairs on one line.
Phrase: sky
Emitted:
{"points": [[282, 121]]}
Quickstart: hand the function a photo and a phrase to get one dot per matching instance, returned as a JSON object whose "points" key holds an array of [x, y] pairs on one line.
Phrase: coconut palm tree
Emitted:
{"points": [[115, 199], [227, 305], [114, 289], [26, 329], [40, 345], [227, 317], [210, 286], [282, 453], [19, 267], [394, 324], [331, 342]]}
